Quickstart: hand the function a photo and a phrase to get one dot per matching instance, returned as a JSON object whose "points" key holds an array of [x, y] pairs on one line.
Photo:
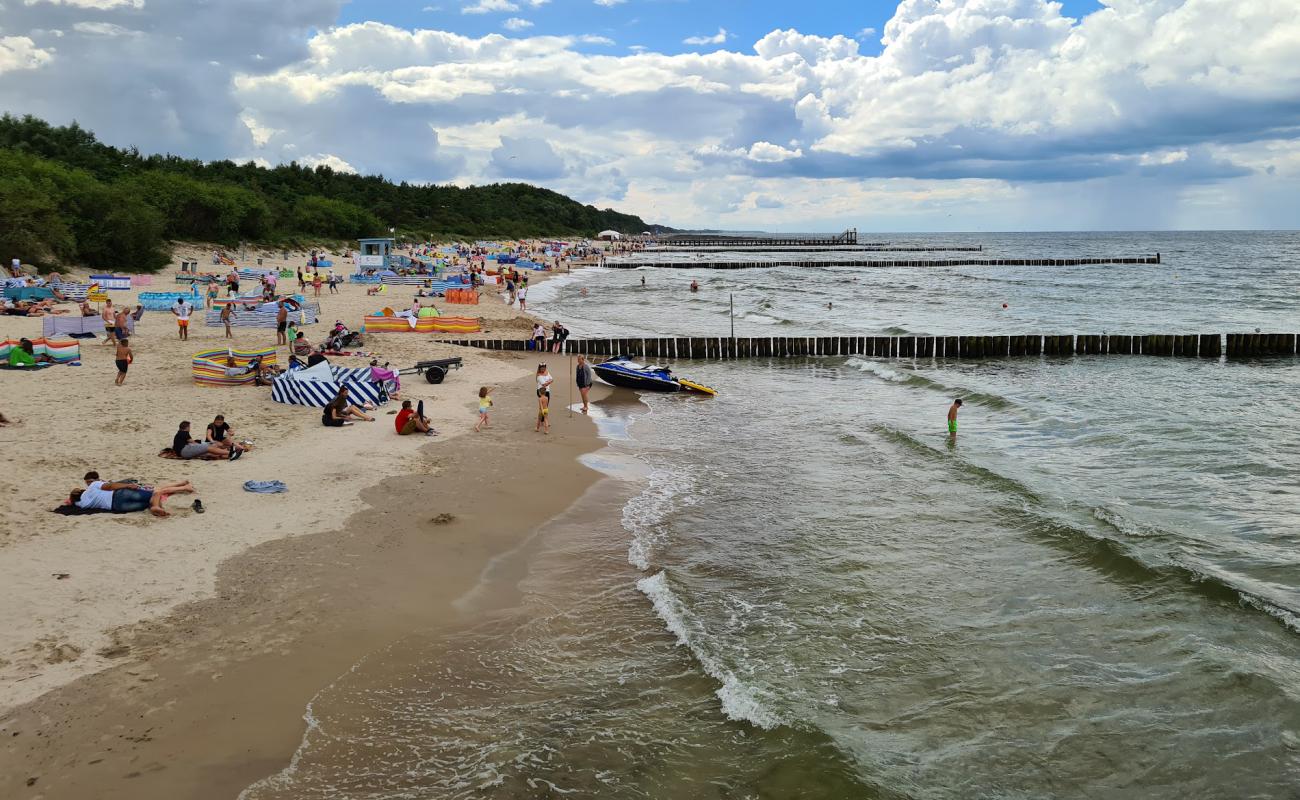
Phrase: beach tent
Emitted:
{"points": [[610, 235], [317, 386], [209, 367], [60, 352]]}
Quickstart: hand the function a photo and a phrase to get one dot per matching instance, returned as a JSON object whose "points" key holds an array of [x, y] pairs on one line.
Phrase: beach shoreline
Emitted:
{"points": [[105, 660], [216, 700]]}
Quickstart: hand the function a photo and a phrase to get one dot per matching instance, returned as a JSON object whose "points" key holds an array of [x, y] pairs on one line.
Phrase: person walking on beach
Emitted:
{"points": [[316, 282], [302, 284], [952, 417], [333, 282], [110, 322], [121, 322], [544, 381], [123, 358], [182, 311], [211, 296], [523, 297], [281, 323], [484, 406], [539, 337], [232, 284], [227, 311], [585, 378]]}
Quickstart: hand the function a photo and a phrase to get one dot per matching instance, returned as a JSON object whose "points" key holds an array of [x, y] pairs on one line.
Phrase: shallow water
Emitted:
{"points": [[804, 588]]}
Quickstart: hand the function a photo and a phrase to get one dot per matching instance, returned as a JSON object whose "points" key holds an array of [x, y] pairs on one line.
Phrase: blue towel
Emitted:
{"points": [[265, 487]]}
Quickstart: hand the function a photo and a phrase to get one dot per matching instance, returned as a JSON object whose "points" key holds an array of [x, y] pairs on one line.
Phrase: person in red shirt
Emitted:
{"points": [[410, 421]]}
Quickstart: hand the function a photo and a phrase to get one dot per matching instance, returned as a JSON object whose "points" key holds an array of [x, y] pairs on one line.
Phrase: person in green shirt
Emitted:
{"points": [[24, 355]]}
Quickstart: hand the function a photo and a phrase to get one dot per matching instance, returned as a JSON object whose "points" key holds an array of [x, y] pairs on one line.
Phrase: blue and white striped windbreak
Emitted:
{"points": [[289, 388]]}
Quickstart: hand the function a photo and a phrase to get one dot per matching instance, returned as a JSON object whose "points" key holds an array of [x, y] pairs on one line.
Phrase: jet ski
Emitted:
{"points": [[623, 371]]}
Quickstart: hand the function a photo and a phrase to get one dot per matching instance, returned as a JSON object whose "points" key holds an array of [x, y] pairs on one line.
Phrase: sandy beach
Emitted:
{"points": [[177, 656]]}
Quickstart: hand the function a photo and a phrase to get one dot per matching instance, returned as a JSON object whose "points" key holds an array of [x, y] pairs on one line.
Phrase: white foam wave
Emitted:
{"points": [[740, 701], [878, 369], [643, 516]]}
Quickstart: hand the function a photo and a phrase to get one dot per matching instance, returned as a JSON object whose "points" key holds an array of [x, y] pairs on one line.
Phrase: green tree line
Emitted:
{"points": [[67, 198]]}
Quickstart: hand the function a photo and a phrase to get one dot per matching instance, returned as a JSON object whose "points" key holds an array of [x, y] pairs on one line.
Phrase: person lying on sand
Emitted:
{"points": [[126, 498]]}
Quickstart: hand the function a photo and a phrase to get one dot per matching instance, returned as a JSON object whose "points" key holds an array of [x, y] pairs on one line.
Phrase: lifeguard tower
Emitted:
{"points": [[374, 254]]}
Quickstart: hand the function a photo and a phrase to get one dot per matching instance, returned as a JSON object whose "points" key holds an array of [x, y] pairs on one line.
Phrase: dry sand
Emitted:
{"points": [[187, 647]]}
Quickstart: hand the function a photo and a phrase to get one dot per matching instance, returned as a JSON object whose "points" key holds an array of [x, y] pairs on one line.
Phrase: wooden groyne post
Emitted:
{"points": [[1204, 345]]}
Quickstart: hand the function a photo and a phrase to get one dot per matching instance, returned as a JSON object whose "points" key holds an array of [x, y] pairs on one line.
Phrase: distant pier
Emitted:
{"points": [[874, 263], [1204, 345], [706, 240]]}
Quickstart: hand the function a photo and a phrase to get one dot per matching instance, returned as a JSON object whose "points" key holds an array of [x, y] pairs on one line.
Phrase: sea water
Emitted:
{"points": [[805, 588]]}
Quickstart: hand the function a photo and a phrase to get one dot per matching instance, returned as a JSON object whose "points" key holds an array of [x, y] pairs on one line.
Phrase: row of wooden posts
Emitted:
{"points": [[1207, 345], [871, 263]]}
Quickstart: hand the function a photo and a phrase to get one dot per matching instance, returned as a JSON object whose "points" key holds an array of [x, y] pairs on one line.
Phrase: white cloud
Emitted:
{"points": [[865, 33], [20, 52], [772, 153], [103, 29], [489, 6], [609, 3], [516, 24], [970, 104], [718, 38], [99, 5], [327, 160]]}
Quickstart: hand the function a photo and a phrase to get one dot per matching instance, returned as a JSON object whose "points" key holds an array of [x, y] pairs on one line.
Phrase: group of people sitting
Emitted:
{"points": [[218, 443]]}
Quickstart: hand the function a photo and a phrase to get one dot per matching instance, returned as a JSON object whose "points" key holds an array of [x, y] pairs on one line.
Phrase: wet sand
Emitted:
{"points": [[210, 697]]}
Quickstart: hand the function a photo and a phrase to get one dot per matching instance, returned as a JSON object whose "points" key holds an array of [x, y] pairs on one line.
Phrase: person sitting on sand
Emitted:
{"points": [[86, 310], [409, 421], [340, 411], [24, 355], [220, 432], [187, 448], [126, 498], [301, 346]]}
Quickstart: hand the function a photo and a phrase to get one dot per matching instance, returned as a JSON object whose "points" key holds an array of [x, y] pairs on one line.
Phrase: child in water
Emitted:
{"points": [[952, 417], [484, 406]]}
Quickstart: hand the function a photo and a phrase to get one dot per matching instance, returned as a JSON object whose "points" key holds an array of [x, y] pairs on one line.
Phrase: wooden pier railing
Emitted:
{"points": [[1205, 345], [867, 264]]}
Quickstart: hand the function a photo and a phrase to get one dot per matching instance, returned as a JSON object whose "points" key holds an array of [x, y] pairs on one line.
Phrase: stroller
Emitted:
{"points": [[341, 338]]}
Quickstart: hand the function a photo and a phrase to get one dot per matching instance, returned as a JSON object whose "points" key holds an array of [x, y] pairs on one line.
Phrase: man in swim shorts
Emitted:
{"points": [[182, 310], [281, 323], [952, 417]]}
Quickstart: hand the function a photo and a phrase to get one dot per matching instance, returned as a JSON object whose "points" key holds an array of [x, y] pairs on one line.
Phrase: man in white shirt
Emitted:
{"points": [[182, 310], [125, 498]]}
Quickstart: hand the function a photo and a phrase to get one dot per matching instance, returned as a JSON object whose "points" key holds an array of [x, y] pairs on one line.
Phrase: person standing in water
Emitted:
{"points": [[952, 417], [585, 379]]}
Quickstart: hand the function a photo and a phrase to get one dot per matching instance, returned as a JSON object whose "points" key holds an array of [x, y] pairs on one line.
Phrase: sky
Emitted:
{"points": [[917, 115]]}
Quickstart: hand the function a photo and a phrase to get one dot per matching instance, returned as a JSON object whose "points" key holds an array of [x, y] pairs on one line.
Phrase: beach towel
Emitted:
{"points": [[265, 487]]}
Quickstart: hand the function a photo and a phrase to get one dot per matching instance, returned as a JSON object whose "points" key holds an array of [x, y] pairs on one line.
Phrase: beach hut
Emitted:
{"points": [[609, 236], [374, 254]]}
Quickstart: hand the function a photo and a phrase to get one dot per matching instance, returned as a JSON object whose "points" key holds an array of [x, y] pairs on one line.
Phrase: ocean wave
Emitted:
{"points": [[1133, 551], [740, 701], [1154, 554], [666, 492], [880, 370]]}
